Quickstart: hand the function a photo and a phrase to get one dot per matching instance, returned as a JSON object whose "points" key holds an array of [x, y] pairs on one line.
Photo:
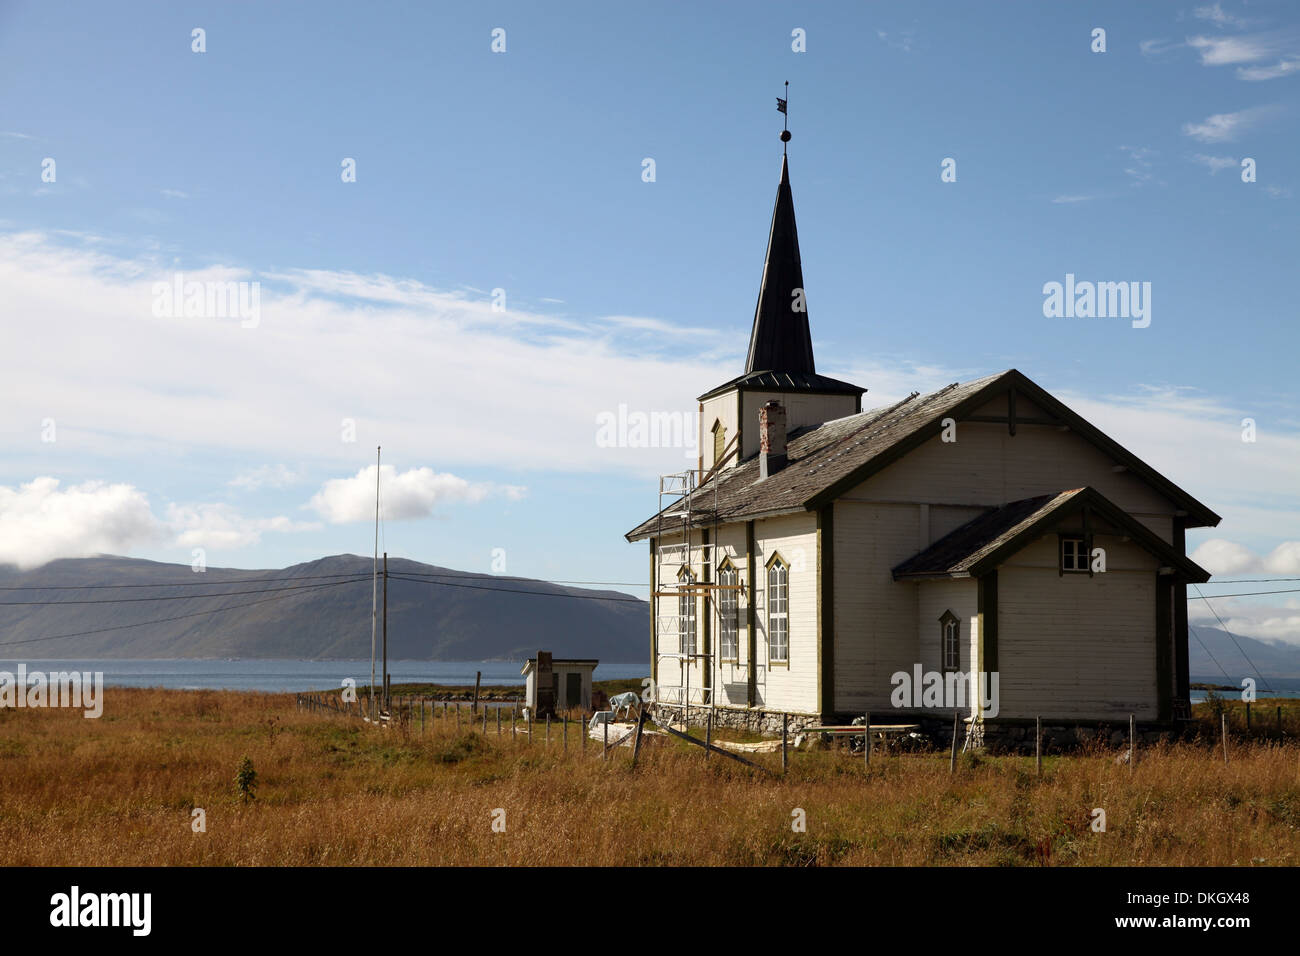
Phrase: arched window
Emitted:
{"points": [[686, 613], [778, 611], [950, 641], [728, 612], [719, 440]]}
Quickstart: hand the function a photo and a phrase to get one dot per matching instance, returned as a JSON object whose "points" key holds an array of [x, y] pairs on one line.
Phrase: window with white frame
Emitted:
{"points": [[778, 612], [728, 614], [950, 641], [686, 613]]}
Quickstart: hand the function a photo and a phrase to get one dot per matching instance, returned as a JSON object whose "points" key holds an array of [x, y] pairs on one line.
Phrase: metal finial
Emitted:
{"points": [[783, 106]]}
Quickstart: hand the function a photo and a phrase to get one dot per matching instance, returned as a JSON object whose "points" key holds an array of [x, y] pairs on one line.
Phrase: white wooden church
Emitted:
{"points": [[824, 548]]}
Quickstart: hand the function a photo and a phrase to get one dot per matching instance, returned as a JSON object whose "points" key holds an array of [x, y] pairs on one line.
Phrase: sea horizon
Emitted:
{"points": [[290, 675]]}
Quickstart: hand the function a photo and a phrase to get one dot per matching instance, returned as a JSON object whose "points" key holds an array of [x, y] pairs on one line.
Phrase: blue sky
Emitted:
{"points": [[522, 171]]}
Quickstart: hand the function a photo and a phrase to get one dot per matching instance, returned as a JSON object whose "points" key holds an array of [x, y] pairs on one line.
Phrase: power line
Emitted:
{"points": [[1207, 651], [177, 584], [1246, 594], [1251, 580], [479, 587], [503, 577], [171, 597], [166, 620], [1234, 639], [456, 575]]}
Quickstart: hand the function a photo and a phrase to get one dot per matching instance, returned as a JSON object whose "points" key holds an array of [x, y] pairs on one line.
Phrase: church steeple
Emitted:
{"points": [[779, 369], [780, 340]]}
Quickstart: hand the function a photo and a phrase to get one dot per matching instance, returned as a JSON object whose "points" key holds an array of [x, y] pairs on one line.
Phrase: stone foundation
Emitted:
{"points": [[990, 736], [755, 721]]}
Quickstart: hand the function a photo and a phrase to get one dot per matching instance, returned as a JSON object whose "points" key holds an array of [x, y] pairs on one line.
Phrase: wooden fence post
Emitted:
{"points": [[565, 721], [952, 755], [785, 754], [866, 740], [605, 754], [1038, 746], [548, 730], [636, 744], [1132, 742], [708, 732], [1224, 728]]}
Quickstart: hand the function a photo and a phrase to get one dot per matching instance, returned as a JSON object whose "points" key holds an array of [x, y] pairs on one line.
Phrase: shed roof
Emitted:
{"points": [[570, 661], [983, 543]]}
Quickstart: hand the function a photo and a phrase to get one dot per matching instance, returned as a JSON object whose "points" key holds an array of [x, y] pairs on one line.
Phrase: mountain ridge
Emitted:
{"points": [[324, 613]]}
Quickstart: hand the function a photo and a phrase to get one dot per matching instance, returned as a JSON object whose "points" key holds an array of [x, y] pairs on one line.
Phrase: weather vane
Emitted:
{"points": [[783, 107]]}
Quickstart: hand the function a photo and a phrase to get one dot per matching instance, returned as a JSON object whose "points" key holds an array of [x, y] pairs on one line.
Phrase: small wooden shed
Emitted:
{"points": [[557, 683]]}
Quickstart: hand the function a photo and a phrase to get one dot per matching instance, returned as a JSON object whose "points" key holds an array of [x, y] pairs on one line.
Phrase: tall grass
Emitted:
{"points": [[332, 790]]}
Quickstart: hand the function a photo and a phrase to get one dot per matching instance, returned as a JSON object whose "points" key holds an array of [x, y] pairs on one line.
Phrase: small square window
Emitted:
{"points": [[1074, 557]]}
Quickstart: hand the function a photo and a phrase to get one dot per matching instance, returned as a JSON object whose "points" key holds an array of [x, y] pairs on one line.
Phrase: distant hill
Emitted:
{"points": [[1273, 660], [462, 617]]}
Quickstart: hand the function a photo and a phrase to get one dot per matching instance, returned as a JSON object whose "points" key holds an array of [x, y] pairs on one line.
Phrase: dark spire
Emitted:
{"points": [[781, 341]]}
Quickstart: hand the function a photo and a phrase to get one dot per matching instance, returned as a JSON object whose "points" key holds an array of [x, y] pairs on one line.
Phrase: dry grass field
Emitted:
{"points": [[334, 791]]}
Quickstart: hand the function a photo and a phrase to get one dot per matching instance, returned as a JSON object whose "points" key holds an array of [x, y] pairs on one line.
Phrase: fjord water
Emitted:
{"points": [[289, 675]]}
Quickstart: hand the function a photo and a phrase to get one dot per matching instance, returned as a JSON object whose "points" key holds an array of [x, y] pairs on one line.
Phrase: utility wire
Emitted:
{"points": [[172, 597], [1207, 651], [1202, 597], [456, 575], [178, 584], [479, 587], [1262, 680], [166, 620]]}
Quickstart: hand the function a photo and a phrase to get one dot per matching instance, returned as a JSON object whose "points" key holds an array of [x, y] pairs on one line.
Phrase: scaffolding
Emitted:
{"points": [[685, 510]]}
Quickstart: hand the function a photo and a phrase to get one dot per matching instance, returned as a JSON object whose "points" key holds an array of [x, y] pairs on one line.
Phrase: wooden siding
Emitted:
{"points": [[800, 409], [1074, 645], [793, 686], [875, 616], [987, 467], [726, 409], [932, 599]]}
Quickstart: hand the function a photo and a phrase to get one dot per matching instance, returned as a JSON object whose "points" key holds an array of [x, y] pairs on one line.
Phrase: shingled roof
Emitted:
{"points": [[824, 461], [982, 544]]}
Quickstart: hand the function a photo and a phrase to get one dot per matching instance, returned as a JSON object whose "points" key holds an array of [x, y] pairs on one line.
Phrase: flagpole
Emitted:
{"points": [[374, 586]]}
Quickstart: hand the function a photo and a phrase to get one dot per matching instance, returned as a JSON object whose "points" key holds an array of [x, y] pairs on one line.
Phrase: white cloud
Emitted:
{"points": [[408, 494], [1215, 14], [219, 526], [1273, 618], [1157, 47], [1222, 127], [1283, 67], [1219, 556], [266, 476], [1140, 165], [175, 194], [900, 40], [1073, 199], [1215, 163], [1280, 46], [40, 522]]}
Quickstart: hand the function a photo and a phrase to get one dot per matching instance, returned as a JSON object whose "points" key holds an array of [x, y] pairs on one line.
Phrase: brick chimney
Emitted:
{"points": [[771, 439]]}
